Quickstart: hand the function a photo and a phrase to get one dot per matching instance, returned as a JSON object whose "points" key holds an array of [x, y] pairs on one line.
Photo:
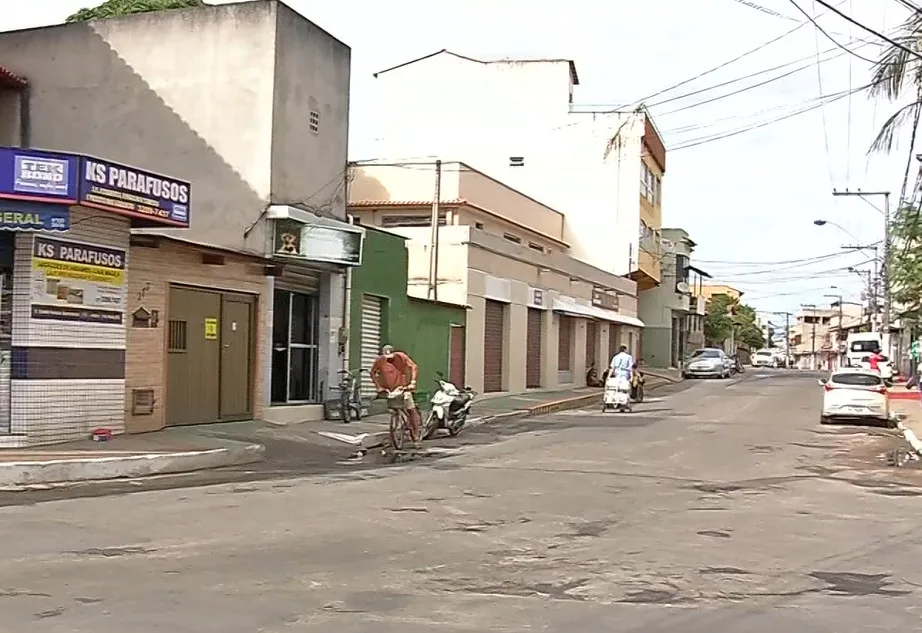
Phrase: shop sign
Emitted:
{"points": [[39, 176], [34, 216], [72, 281], [133, 192], [536, 297], [602, 299], [211, 329], [317, 243]]}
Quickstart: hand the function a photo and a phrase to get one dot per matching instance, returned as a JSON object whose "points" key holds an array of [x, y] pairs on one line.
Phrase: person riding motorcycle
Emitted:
{"points": [[395, 369]]}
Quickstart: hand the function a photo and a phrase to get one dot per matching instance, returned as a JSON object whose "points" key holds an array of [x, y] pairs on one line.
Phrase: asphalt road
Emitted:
{"points": [[723, 506]]}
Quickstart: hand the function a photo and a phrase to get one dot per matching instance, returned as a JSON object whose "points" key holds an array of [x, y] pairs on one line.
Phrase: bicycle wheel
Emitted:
{"points": [[398, 429], [430, 427]]}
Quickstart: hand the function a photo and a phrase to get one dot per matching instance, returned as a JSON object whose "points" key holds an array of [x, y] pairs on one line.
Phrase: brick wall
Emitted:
{"points": [[150, 273]]}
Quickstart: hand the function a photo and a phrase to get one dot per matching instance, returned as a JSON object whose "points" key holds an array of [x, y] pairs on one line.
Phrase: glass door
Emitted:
{"points": [[295, 348]]}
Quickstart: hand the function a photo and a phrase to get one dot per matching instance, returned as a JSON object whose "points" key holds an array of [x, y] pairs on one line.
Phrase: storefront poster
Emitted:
{"points": [[129, 191], [33, 216], [317, 243], [72, 281], [39, 176]]}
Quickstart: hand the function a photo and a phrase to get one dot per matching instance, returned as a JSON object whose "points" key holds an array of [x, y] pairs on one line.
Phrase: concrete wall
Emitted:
{"points": [[586, 166], [151, 271], [47, 411], [311, 75], [190, 93]]}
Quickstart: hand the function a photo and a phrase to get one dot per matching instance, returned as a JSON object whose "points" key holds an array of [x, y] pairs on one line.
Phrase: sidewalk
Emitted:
{"points": [[125, 456], [909, 416], [187, 449]]}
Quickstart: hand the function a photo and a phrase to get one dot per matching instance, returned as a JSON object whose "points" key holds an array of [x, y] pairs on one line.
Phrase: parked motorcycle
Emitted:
{"points": [[450, 408]]}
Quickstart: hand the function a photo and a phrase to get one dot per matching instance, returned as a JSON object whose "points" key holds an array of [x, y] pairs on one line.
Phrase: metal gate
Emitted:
{"points": [[533, 350], [564, 338], [371, 340], [493, 327], [592, 344]]}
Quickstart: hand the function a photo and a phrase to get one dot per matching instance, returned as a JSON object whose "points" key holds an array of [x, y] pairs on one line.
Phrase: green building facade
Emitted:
{"points": [[418, 327]]}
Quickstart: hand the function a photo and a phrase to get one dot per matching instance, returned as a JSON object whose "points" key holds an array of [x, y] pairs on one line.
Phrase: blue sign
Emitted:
{"points": [[53, 177], [39, 176], [129, 191], [34, 216]]}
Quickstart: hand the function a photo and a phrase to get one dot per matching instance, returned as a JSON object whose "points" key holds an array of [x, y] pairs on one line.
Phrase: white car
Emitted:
{"points": [[854, 393], [765, 358]]}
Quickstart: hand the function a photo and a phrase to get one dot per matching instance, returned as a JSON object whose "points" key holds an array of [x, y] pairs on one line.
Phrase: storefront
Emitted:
{"points": [[65, 223], [311, 255]]}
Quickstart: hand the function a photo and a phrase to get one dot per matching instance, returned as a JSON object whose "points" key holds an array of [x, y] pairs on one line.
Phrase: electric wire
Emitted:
{"points": [[848, 133], [765, 10], [819, 81], [826, 34], [868, 29]]}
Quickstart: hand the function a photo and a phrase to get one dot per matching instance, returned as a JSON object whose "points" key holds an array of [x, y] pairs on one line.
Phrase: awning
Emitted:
{"points": [[570, 307]]}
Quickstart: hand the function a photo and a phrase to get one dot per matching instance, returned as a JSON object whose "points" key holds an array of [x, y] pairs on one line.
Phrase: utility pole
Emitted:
{"points": [[433, 293], [885, 264], [787, 339], [812, 334]]}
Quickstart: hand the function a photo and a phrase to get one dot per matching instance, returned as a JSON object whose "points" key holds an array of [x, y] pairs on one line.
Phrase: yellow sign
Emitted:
{"points": [[211, 329]]}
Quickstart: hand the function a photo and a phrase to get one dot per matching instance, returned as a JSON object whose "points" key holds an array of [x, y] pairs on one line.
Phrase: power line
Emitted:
{"points": [[819, 81], [765, 10], [718, 137], [814, 258], [827, 35], [863, 27]]}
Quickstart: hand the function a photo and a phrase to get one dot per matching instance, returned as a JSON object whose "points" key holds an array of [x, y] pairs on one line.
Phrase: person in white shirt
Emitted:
{"points": [[622, 364]]}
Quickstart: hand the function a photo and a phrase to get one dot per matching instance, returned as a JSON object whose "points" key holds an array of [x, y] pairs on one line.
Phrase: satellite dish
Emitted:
{"points": [[682, 287]]}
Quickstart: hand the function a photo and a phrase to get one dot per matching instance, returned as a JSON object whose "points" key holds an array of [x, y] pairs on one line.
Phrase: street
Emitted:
{"points": [[715, 506]]}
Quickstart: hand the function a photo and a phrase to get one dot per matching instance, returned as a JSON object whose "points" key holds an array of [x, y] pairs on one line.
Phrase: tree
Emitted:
{"points": [[905, 265], [115, 8], [895, 73], [726, 316]]}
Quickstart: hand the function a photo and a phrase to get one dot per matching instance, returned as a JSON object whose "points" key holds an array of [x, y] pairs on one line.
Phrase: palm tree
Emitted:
{"points": [[115, 8], [895, 72]]}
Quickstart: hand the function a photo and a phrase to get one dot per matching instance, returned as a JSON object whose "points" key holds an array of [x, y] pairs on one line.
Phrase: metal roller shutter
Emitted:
{"points": [[371, 340], [564, 336], [493, 327], [533, 350], [592, 344]]}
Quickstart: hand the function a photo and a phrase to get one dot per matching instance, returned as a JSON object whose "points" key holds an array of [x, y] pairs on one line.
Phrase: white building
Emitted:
{"points": [[514, 119]]}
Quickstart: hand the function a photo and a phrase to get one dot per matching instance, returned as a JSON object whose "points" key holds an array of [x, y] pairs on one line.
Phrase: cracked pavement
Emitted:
{"points": [[718, 506]]}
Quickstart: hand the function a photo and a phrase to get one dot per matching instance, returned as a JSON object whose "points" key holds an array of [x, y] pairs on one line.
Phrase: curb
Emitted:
{"points": [[76, 469], [910, 437]]}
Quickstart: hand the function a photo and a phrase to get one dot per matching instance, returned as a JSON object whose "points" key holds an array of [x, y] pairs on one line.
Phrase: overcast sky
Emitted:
{"points": [[748, 200]]}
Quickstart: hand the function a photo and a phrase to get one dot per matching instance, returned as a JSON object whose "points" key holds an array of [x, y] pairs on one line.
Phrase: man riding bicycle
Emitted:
{"points": [[395, 369]]}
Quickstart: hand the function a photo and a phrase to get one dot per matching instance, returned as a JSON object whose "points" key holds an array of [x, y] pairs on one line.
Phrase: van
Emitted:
{"points": [[860, 346]]}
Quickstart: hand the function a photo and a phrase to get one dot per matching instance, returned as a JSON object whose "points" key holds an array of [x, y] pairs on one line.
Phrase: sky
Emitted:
{"points": [[748, 200]]}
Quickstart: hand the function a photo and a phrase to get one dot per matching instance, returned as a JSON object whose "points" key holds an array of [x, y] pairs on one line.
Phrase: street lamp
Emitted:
{"points": [[885, 264], [838, 299], [837, 225]]}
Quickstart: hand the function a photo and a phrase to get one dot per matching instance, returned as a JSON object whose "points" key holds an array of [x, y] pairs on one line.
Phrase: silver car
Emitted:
{"points": [[709, 362]]}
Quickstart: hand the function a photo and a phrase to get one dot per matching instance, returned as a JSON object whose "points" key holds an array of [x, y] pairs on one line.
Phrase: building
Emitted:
{"points": [[813, 335], [537, 317], [708, 291], [65, 280], [167, 91], [672, 315], [516, 121], [383, 313]]}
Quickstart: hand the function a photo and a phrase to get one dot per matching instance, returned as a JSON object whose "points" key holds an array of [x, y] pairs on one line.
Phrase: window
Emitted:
{"points": [[864, 346], [515, 239], [516, 161], [857, 380], [315, 121], [478, 226], [706, 353], [681, 268], [536, 247]]}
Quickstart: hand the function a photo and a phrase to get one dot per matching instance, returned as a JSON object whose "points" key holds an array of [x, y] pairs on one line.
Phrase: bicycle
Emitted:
{"points": [[350, 400], [399, 428]]}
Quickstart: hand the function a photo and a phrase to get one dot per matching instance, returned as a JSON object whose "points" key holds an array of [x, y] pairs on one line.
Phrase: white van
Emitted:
{"points": [[860, 346]]}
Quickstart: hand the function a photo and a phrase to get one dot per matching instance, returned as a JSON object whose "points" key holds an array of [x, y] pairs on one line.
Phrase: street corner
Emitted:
{"points": [[32, 468]]}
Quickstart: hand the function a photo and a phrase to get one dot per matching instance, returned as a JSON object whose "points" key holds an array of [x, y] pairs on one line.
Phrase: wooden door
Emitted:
{"points": [[533, 349], [236, 357], [493, 330]]}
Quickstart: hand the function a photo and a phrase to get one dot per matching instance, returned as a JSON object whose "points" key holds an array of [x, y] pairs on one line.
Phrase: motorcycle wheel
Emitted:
{"points": [[431, 426], [345, 408]]}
